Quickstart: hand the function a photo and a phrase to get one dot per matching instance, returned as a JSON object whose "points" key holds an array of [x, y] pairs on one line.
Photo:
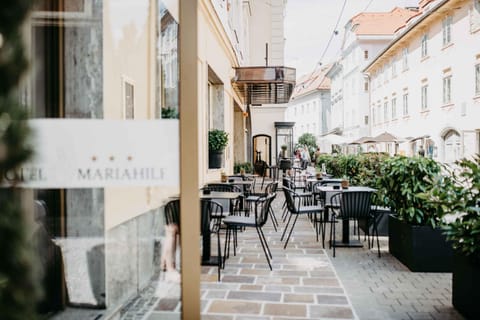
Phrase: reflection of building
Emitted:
{"points": [[119, 60], [105, 60], [425, 85]]}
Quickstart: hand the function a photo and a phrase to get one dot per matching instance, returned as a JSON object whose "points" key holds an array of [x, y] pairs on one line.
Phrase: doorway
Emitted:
{"points": [[262, 149]]}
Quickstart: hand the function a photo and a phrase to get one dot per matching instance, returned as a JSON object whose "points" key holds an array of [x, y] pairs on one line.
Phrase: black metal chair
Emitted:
{"points": [[252, 198], [212, 213], [257, 221], [230, 206], [353, 205], [172, 219], [172, 212], [296, 208]]}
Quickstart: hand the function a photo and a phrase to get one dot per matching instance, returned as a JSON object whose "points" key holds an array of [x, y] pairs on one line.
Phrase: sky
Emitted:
{"points": [[309, 25]]}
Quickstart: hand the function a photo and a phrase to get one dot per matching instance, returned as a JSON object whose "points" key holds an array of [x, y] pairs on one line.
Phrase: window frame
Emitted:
{"points": [[424, 97], [477, 79], [405, 59], [424, 52], [447, 89], [447, 30], [393, 103], [405, 104]]}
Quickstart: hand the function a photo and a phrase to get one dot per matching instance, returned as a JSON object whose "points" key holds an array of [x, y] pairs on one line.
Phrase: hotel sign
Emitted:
{"points": [[77, 153]]}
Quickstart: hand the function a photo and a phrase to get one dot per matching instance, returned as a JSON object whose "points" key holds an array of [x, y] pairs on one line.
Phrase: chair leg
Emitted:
{"points": [[375, 231], [220, 260], [291, 230], [286, 227], [226, 252], [266, 243], [273, 218], [332, 242], [266, 249]]}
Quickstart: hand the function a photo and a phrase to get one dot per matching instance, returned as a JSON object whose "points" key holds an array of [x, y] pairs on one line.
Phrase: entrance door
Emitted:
{"points": [[262, 149]]}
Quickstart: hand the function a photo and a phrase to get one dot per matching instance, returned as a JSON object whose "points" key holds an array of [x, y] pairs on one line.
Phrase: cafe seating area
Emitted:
{"points": [[303, 264]]}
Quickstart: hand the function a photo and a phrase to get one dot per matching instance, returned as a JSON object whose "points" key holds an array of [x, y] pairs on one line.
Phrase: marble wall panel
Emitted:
{"points": [[83, 65], [122, 263]]}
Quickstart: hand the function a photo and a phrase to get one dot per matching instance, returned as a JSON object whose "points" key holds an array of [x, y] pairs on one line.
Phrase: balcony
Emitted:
{"points": [[264, 85]]}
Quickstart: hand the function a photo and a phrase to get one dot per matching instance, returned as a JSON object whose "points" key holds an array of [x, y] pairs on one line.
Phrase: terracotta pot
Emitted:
{"points": [[345, 184]]}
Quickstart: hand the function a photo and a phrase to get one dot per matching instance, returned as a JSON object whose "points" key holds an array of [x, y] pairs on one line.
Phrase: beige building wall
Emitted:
{"points": [[129, 54]]}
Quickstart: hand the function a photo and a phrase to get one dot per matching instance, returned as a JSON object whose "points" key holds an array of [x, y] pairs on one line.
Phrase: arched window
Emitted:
{"points": [[452, 146]]}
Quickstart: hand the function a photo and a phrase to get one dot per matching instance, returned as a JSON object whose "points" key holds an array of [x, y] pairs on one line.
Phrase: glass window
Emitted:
{"points": [[394, 68], [447, 83], [424, 46], [424, 97], [405, 104], [477, 79], [215, 101], [394, 108], [446, 30], [385, 111], [405, 58]]}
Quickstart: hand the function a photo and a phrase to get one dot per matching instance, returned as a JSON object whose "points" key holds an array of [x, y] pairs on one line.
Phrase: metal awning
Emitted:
{"points": [[264, 85]]}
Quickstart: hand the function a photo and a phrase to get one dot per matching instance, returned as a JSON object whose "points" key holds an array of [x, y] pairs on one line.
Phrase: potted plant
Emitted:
{"points": [[415, 238], [242, 168], [217, 141], [284, 150], [456, 194]]}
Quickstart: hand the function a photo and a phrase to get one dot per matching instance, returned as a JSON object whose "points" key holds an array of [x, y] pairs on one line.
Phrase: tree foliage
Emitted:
{"points": [[18, 288], [308, 140]]}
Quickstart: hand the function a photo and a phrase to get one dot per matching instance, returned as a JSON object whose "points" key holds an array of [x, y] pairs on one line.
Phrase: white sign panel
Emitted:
{"points": [[77, 153]]}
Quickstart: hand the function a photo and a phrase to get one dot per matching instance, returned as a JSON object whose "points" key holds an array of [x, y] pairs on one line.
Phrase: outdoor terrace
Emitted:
{"points": [[306, 283]]}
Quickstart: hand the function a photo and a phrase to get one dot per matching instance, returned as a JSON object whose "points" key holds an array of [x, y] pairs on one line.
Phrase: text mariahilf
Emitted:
{"points": [[121, 174]]}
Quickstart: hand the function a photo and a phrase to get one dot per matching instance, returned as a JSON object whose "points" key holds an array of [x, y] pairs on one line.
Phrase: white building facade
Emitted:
{"points": [[366, 34], [425, 86], [309, 106]]}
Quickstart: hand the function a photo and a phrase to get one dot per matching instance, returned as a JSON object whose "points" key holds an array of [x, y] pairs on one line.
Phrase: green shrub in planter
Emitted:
{"points": [[403, 179], [217, 140], [456, 192], [247, 166]]}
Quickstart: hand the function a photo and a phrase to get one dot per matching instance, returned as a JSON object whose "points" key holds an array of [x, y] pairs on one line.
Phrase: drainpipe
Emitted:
{"points": [[366, 75]]}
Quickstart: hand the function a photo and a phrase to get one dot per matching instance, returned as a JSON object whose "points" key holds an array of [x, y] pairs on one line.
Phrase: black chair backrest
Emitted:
{"points": [[287, 182], [172, 212], [290, 200], [355, 204], [222, 187], [320, 195], [211, 213], [271, 187], [262, 208]]}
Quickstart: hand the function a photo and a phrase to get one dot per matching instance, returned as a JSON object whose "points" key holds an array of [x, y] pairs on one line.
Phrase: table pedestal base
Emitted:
{"points": [[350, 243], [213, 261]]}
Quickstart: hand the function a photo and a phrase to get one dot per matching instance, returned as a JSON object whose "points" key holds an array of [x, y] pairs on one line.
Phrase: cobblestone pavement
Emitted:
{"points": [[383, 288], [306, 283]]}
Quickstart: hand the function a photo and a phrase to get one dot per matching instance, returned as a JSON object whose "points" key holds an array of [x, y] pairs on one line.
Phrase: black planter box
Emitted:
{"points": [[420, 248], [382, 224], [215, 159], [465, 286]]}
